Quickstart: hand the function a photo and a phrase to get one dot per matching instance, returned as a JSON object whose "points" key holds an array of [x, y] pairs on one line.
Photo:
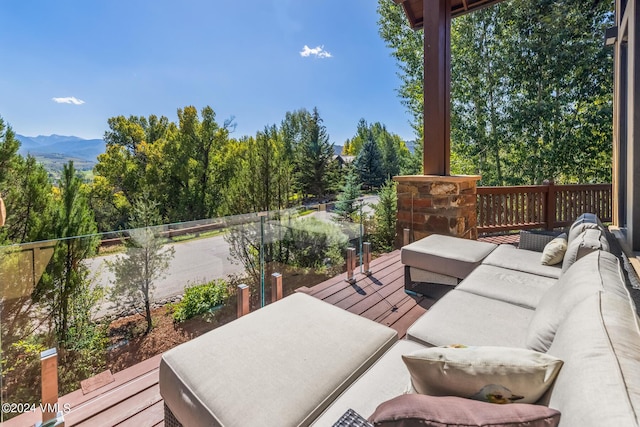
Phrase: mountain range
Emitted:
{"points": [[68, 146], [60, 146]]}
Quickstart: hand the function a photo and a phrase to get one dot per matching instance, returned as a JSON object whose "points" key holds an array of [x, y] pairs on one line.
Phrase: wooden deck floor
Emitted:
{"points": [[133, 399]]}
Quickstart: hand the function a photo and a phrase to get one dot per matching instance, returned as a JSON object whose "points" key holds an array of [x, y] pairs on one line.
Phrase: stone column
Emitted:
{"points": [[430, 204]]}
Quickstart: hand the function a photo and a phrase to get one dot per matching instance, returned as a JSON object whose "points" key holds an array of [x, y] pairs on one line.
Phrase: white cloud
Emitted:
{"points": [[68, 100], [318, 52]]}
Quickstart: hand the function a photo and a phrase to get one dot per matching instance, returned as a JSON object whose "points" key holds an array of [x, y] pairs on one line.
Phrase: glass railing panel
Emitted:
{"points": [[26, 328], [87, 296]]}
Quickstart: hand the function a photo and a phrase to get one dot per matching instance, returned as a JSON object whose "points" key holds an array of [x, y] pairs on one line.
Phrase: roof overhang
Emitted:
{"points": [[414, 9]]}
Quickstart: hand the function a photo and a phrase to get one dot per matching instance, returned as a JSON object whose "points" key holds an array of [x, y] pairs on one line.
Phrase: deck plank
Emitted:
{"points": [[338, 283], [126, 409], [149, 417], [112, 398]]}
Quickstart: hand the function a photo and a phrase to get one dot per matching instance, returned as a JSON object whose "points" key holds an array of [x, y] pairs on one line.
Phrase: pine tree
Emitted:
{"points": [[390, 155], [73, 222], [145, 260], [347, 197], [368, 163], [385, 216], [313, 158]]}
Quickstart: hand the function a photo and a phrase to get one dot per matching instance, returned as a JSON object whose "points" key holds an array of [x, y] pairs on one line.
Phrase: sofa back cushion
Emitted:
{"points": [[584, 222], [597, 272], [599, 383], [591, 239]]}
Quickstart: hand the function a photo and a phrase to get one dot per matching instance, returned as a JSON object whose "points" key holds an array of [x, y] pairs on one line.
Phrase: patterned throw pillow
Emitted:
{"points": [[489, 374], [416, 410]]}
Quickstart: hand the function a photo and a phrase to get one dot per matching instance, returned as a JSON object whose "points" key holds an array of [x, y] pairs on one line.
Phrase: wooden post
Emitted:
{"points": [[437, 86], [551, 204], [405, 237], [49, 372], [243, 300], [351, 265], [276, 287], [366, 249]]}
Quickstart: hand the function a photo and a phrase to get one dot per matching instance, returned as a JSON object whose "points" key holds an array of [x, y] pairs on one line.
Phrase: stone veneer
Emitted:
{"points": [[430, 204]]}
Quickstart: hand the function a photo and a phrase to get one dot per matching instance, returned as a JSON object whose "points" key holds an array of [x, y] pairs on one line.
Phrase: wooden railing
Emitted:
{"points": [[540, 206]]}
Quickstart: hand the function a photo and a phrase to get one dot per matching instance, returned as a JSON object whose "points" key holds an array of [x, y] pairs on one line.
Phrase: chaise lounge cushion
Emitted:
{"points": [[515, 287], [464, 318], [508, 256], [451, 256], [599, 383], [597, 272], [278, 366]]}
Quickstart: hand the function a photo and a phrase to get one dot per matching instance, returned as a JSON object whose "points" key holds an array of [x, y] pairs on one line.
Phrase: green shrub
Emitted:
{"points": [[313, 243], [200, 299]]}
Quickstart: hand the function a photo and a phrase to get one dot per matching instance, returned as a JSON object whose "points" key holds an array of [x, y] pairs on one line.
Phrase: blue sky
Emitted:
{"points": [[69, 65]]}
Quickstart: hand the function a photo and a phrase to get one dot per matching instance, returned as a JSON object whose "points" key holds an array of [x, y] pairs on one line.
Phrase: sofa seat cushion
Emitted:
{"points": [[451, 256], [417, 410], [515, 287], [597, 272], [464, 318], [278, 366], [599, 383], [508, 256], [387, 378]]}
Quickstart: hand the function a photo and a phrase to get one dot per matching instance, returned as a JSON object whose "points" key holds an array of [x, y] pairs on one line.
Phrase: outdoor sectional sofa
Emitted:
{"points": [[301, 361]]}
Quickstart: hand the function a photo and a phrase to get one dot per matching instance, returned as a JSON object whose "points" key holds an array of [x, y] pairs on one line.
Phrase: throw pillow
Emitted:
{"points": [[490, 374], [553, 252], [415, 410]]}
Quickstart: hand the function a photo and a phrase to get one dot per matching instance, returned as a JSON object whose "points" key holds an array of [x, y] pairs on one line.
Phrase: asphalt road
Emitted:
{"points": [[194, 262]]}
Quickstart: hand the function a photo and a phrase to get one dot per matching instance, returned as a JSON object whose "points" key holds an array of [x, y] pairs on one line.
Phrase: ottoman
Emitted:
{"points": [[281, 365], [441, 260]]}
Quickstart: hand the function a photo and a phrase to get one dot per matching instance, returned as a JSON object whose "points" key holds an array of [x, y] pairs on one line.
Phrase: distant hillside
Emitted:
{"points": [[65, 146], [54, 151]]}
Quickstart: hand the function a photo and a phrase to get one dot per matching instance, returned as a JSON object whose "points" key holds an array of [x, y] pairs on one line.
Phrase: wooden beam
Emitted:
{"points": [[437, 84]]}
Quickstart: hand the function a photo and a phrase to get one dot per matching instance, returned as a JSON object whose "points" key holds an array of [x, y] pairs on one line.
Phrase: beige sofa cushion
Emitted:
{"points": [[508, 256], [281, 365], [597, 272], [464, 318], [515, 287], [488, 374], [387, 378], [451, 256], [599, 383], [589, 240]]}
